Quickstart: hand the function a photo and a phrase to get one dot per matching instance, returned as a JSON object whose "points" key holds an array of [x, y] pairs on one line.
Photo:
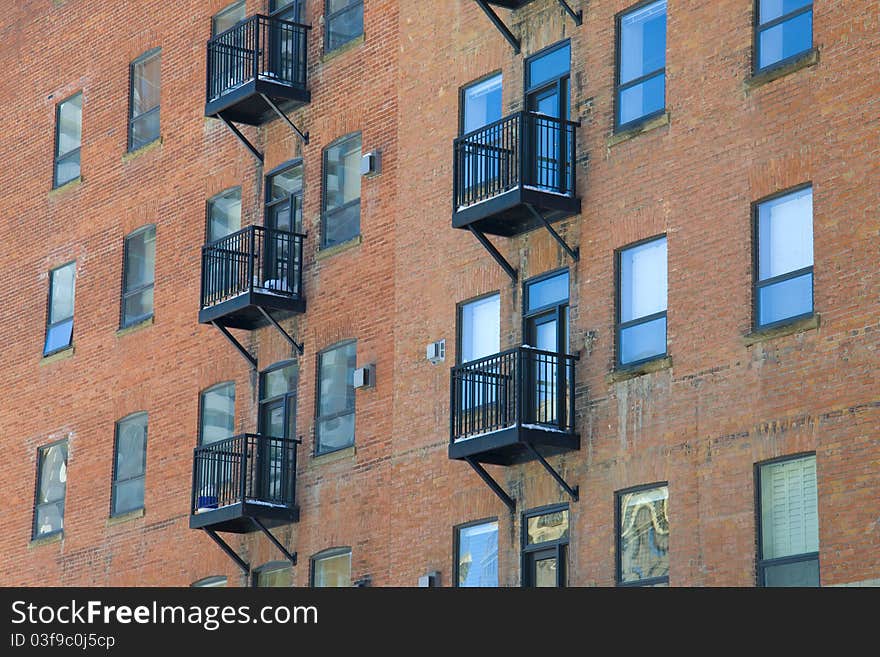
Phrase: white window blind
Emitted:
{"points": [[480, 328], [789, 513]]}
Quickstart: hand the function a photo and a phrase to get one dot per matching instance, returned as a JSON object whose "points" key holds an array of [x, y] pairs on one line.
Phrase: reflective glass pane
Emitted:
{"points": [[547, 527], [549, 291], [477, 554], [786, 39], [642, 41], [218, 413], [342, 226], [785, 234], [545, 573], [333, 571], [61, 305], [145, 85], [482, 103], [789, 298], [643, 341], [67, 168], [345, 26], [58, 336], [552, 65], [275, 577], [643, 274], [70, 125], [53, 473], [228, 17], [644, 535], [642, 99], [336, 433], [144, 129], [342, 177], [286, 183], [131, 439], [773, 9], [50, 518], [336, 375], [801, 574], [138, 305], [224, 214], [480, 328], [140, 259], [279, 381], [129, 495]]}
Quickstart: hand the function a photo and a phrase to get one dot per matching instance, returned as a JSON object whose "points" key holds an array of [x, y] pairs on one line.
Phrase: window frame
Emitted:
{"points": [[462, 97], [49, 324], [758, 284], [209, 203], [269, 567], [329, 17], [560, 545], [329, 553], [320, 418], [123, 321], [459, 323], [269, 204], [212, 581], [561, 82], [758, 28], [327, 214], [35, 535], [618, 543], [620, 326], [456, 546], [115, 481], [619, 87], [202, 393], [78, 150], [228, 9], [154, 52], [561, 309], [762, 564]]}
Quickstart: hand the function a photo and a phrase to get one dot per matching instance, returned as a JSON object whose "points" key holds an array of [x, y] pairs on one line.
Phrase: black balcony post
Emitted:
{"points": [[453, 408], [192, 497], [251, 255], [519, 374], [561, 389], [244, 466], [570, 365], [257, 48], [522, 148]]}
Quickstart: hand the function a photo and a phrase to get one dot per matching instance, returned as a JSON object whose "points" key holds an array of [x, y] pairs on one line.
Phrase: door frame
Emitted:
{"points": [[560, 546]]}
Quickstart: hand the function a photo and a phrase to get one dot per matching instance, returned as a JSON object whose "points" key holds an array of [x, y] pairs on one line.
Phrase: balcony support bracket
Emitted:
{"points": [[241, 563], [574, 253], [290, 556], [491, 483], [506, 266], [296, 345], [505, 31], [244, 140], [302, 135], [578, 17], [235, 343], [573, 492]]}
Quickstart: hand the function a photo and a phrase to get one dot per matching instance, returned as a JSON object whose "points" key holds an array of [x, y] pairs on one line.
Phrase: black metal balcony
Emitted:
{"points": [[503, 405], [509, 4], [251, 271], [257, 59], [509, 170], [243, 478]]}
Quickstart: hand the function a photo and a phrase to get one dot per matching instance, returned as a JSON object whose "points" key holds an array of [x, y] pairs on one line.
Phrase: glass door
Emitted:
{"points": [[547, 94], [277, 422], [284, 42], [284, 191]]}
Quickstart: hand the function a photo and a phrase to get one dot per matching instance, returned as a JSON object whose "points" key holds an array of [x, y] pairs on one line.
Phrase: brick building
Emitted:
{"points": [[579, 293]]}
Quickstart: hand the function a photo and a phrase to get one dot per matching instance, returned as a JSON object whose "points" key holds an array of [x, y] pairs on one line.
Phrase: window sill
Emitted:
{"points": [[125, 330], [647, 126], [648, 367], [61, 354], [61, 189], [809, 58], [146, 148], [339, 248], [797, 326], [335, 455], [341, 50], [57, 537], [125, 517]]}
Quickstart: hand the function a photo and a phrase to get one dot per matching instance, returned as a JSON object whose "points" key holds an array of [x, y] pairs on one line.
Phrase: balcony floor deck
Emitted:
{"points": [[509, 446]]}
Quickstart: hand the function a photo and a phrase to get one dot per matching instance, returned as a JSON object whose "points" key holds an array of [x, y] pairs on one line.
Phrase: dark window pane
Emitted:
{"points": [[642, 41], [218, 413], [145, 85], [343, 225], [801, 573], [67, 168], [144, 129], [642, 99], [336, 433], [551, 65], [789, 298], [130, 447], [548, 291], [786, 39], [138, 305], [70, 125], [140, 259], [279, 382], [477, 554], [129, 495], [345, 26], [644, 535], [342, 191], [643, 341], [773, 9], [228, 17], [336, 397], [224, 214]]}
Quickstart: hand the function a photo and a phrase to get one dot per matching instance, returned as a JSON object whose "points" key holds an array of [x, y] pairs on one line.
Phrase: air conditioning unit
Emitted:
{"points": [[429, 580], [436, 352], [371, 163], [365, 377]]}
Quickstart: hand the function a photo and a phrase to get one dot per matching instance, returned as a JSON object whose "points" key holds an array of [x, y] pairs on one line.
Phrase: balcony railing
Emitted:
{"points": [[519, 388], [249, 469], [259, 48], [523, 150], [253, 259]]}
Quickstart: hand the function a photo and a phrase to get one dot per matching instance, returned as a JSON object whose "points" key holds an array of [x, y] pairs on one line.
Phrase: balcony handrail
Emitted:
{"points": [[471, 364], [256, 17], [511, 117], [232, 440], [241, 231]]}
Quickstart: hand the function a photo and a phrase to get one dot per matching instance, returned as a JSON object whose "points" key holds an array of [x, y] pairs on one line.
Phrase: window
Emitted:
{"points": [[129, 464], [345, 22], [275, 574], [788, 539], [643, 536], [226, 18], [641, 64], [217, 413], [784, 277], [51, 489], [547, 94], [68, 140], [342, 191], [224, 214], [284, 196], [277, 423], [641, 302], [138, 272], [478, 156], [143, 126], [481, 103], [335, 428], [59, 321], [783, 30], [210, 582], [545, 327], [545, 547], [479, 336], [332, 568], [476, 554]]}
